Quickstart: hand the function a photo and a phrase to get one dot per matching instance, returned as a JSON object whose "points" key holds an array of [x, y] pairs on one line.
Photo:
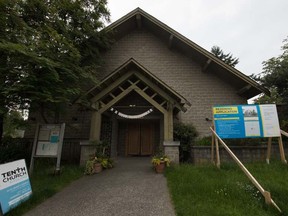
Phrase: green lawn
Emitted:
{"points": [[206, 190], [43, 175]]}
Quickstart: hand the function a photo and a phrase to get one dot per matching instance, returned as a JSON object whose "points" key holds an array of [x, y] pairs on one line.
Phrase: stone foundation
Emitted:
{"points": [[86, 150], [171, 149], [202, 154]]}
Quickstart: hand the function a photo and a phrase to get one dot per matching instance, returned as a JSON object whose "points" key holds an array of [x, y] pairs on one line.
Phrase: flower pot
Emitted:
{"points": [[97, 168], [159, 168]]}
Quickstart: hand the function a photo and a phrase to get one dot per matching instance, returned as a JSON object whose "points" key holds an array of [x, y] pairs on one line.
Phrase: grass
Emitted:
{"points": [[206, 190], [45, 184]]}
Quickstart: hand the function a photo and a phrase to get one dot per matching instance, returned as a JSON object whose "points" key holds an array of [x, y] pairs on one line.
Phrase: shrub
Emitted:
{"points": [[204, 141], [185, 133], [15, 149]]}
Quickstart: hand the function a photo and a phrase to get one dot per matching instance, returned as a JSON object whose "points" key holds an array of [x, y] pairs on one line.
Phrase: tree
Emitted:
{"points": [[227, 58], [48, 50], [13, 123], [275, 77]]}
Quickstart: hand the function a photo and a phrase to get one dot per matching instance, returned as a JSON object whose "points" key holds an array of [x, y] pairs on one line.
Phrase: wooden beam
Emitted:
{"points": [[121, 88], [159, 90], [113, 96], [154, 95], [145, 88], [206, 65], [139, 21], [111, 87], [170, 41], [150, 100], [244, 89], [116, 99]]}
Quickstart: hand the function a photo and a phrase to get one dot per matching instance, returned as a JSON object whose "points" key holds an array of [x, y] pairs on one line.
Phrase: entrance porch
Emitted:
{"points": [[140, 110]]}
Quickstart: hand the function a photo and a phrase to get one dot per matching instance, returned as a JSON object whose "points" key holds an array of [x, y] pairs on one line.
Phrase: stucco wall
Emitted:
{"points": [[181, 73]]}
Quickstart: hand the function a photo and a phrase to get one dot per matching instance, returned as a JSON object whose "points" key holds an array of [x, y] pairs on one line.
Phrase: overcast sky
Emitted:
{"points": [[252, 30]]}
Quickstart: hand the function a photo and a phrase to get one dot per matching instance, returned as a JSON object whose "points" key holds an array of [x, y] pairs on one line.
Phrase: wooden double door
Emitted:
{"points": [[140, 138]]}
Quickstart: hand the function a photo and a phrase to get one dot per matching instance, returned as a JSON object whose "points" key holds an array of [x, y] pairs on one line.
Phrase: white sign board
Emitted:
{"points": [[48, 140], [48, 143], [14, 185]]}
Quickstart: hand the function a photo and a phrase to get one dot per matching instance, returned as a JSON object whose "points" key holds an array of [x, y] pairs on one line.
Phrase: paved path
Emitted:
{"points": [[131, 188]]}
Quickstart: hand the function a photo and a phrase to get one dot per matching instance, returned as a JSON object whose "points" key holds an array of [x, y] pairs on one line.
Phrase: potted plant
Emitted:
{"points": [[93, 165], [97, 166], [160, 162]]}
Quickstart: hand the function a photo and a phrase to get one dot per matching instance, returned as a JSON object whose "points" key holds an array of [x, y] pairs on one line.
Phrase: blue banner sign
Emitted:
{"points": [[15, 186], [246, 121]]}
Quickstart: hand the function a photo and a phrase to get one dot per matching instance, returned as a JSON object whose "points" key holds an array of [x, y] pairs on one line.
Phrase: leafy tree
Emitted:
{"points": [[275, 75], [13, 122], [227, 58], [49, 50]]}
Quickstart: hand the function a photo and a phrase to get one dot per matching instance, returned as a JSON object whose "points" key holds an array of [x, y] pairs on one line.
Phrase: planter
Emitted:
{"points": [[159, 168], [97, 168]]}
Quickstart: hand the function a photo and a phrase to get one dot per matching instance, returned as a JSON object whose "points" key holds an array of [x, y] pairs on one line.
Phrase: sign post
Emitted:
{"points": [[48, 142], [14, 185]]}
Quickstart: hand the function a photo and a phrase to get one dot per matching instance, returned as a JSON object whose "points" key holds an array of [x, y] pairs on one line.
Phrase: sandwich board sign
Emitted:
{"points": [[246, 121], [15, 185], [48, 142]]}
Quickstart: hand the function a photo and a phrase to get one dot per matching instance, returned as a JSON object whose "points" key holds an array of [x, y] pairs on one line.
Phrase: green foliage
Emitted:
{"points": [[275, 77], [13, 121], [89, 167], [227, 58], [206, 190], [49, 50], [101, 148], [15, 149], [160, 158], [101, 155], [203, 141], [185, 133]]}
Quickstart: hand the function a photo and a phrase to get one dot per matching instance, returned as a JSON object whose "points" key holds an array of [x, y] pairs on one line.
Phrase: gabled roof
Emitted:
{"points": [[132, 72], [138, 19]]}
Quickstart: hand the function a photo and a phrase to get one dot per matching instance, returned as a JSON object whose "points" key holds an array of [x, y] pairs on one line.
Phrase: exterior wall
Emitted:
{"points": [[181, 73]]}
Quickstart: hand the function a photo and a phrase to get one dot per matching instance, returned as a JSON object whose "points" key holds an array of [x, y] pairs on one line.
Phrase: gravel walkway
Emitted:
{"points": [[131, 188]]}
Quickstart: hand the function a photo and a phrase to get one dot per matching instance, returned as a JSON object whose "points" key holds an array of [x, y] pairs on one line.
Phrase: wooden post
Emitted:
{"points": [[95, 126], [217, 153], [170, 121], [282, 154], [212, 148], [168, 126], [268, 150]]}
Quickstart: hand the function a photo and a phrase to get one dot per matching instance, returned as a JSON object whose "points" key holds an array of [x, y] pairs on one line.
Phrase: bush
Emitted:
{"points": [[185, 133], [204, 141], [15, 149]]}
